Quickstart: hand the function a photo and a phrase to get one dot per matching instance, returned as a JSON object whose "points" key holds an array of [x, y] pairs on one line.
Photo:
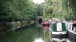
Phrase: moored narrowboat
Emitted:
{"points": [[45, 25], [72, 30], [58, 30]]}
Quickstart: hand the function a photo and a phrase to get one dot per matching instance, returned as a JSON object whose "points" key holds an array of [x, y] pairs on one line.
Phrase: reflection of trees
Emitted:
{"points": [[26, 34], [46, 35]]}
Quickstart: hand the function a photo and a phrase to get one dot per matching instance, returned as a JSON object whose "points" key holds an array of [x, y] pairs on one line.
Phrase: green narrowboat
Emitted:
{"points": [[58, 29]]}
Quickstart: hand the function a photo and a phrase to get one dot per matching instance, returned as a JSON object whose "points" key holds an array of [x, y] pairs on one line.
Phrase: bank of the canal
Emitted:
{"points": [[13, 25]]}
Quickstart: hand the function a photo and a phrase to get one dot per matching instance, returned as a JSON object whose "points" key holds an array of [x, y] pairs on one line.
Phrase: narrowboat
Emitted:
{"points": [[72, 32], [71, 39], [59, 40], [45, 25], [58, 29]]}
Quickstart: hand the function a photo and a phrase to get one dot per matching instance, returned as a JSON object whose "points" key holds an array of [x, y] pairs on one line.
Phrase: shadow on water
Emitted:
{"points": [[25, 34]]}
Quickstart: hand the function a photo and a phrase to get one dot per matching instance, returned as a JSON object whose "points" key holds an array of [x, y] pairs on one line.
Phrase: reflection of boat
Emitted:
{"points": [[59, 29], [46, 27], [60, 40]]}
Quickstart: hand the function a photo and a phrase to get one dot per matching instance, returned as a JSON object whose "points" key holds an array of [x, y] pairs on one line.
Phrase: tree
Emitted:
{"points": [[47, 10], [17, 10]]}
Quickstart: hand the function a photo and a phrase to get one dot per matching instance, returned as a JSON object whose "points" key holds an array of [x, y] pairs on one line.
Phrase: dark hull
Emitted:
{"points": [[72, 35], [72, 40]]}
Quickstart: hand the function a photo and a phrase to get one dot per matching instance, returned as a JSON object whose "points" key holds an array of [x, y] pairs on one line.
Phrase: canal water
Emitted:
{"points": [[30, 33]]}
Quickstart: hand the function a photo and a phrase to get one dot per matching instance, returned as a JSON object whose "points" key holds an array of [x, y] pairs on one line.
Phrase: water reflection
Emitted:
{"points": [[60, 40], [39, 40], [46, 35], [31, 34], [25, 34]]}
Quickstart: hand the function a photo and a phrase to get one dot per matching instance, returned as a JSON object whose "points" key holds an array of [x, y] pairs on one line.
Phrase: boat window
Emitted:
{"points": [[74, 27]]}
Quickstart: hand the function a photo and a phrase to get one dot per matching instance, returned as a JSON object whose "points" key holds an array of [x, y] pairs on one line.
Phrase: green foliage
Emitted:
{"points": [[70, 6], [39, 9], [17, 10], [47, 11], [64, 9]]}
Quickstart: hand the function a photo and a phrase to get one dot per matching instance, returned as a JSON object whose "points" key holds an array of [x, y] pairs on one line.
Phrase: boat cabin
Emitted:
{"points": [[58, 27]]}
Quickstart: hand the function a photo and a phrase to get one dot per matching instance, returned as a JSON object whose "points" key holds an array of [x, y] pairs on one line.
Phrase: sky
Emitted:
{"points": [[38, 1]]}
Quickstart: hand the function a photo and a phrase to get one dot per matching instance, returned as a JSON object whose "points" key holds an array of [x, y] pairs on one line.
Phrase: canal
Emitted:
{"points": [[30, 33]]}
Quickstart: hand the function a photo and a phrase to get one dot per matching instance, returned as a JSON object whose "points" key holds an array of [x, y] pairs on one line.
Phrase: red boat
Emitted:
{"points": [[45, 25]]}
